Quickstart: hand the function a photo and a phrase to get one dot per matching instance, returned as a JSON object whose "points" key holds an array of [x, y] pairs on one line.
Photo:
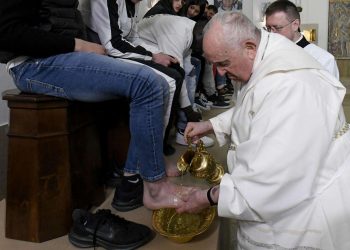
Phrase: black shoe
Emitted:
{"points": [[107, 230], [168, 149], [129, 195], [191, 115], [114, 178], [225, 91], [218, 101]]}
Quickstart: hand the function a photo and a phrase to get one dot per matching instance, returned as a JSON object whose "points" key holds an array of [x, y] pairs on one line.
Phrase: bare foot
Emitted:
{"points": [[163, 194], [171, 168]]}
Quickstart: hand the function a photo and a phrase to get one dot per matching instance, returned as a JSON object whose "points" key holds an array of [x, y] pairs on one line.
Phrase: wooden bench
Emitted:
{"points": [[58, 152]]}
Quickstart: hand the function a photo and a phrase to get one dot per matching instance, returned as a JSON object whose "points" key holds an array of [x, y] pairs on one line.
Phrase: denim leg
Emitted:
{"points": [[197, 65], [220, 80], [90, 77], [208, 79]]}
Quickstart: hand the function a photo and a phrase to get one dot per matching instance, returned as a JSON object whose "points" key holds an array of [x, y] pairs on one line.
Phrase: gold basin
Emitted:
{"points": [[183, 227]]}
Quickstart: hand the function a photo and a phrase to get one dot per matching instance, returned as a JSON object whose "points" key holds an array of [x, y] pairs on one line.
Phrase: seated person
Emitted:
{"points": [[114, 26], [283, 17], [211, 11], [176, 36], [193, 9], [171, 7], [53, 58]]}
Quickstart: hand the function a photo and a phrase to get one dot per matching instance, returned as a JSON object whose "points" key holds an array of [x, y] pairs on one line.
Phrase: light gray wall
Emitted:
{"points": [[5, 83]]}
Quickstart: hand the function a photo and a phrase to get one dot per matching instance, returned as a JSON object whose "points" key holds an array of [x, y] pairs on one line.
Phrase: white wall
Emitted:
{"points": [[5, 84], [317, 12]]}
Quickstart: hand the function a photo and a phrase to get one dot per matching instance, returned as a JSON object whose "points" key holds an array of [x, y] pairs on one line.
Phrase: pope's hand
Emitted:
{"points": [[194, 201], [195, 130]]}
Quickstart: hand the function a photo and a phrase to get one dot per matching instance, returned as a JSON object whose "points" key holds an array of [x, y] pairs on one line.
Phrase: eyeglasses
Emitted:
{"points": [[276, 28]]}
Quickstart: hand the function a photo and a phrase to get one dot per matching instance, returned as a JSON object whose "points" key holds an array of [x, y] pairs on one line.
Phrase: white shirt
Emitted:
{"points": [[288, 182]]}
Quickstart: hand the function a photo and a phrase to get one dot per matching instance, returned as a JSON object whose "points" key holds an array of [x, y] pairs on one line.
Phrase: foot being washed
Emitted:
{"points": [[163, 194]]}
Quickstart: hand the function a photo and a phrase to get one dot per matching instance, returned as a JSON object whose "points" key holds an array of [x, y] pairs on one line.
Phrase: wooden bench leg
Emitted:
{"points": [[54, 161]]}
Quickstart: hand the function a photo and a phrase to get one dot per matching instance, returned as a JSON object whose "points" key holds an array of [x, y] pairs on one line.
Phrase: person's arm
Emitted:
{"points": [[105, 22]]}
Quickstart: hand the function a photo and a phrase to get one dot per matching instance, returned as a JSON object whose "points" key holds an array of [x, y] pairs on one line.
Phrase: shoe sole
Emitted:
{"points": [[222, 107], [87, 242], [202, 107]]}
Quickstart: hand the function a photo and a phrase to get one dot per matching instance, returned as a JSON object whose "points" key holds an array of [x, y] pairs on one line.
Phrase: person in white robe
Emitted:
{"points": [[283, 17], [289, 143]]}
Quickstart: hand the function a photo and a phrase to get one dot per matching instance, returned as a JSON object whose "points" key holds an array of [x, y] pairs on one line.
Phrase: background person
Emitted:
{"points": [[53, 58], [282, 17]]}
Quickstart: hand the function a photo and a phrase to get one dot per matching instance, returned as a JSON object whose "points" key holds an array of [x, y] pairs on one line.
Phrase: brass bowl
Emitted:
{"points": [[181, 228]]}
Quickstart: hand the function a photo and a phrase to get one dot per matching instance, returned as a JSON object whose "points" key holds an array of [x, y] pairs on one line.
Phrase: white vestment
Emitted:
{"points": [[288, 184]]}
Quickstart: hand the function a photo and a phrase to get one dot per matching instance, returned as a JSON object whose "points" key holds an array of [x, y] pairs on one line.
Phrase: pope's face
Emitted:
{"points": [[236, 64]]}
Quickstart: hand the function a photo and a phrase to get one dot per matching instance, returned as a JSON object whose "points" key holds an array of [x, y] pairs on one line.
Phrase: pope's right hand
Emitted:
{"points": [[195, 130]]}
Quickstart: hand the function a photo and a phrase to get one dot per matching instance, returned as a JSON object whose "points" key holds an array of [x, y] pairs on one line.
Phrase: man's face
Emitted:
{"points": [[278, 23], [210, 14], [236, 64]]}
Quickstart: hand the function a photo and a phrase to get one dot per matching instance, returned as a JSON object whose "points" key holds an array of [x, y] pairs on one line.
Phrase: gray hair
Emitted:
{"points": [[236, 28]]}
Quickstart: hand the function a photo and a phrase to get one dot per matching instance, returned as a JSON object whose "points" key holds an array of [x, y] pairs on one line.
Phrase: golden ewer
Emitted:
{"points": [[201, 164]]}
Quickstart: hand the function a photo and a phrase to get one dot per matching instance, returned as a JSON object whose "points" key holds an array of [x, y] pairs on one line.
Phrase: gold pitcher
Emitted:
{"points": [[201, 164], [184, 162]]}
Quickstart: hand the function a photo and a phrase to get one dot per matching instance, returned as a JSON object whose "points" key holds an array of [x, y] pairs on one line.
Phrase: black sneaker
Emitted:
{"points": [[114, 178], [168, 149], [218, 101], [107, 230], [225, 91], [129, 195]]}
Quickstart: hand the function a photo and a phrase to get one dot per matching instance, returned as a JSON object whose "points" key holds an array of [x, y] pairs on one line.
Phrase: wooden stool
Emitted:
{"points": [[54, 163]]}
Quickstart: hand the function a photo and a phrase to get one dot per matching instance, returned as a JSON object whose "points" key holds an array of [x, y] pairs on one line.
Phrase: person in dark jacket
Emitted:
{"points": [[170, 7], [193, 9]]}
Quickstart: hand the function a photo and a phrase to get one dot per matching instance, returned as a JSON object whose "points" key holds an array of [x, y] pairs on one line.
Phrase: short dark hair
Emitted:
{"points": [[283, 6], [213, 7]]}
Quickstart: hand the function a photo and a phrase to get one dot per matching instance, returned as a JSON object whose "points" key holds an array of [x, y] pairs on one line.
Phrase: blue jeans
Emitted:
{"points": [[220, 80], [90, 77]]}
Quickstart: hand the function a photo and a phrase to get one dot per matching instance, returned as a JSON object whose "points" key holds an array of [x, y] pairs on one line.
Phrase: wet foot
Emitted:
{"points": [[163, 194]]}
